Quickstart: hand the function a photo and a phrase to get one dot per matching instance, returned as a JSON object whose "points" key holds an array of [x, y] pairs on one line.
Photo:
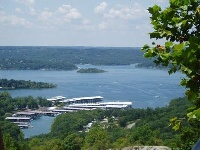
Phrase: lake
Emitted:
{"points": [[143, 87]]}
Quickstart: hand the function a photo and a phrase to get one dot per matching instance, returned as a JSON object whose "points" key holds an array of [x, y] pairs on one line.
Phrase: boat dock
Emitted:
{"points": [[23, 119], [29, 114], [102, 105], [89, 103], [81, 100], [22, 122], [19, 119]]}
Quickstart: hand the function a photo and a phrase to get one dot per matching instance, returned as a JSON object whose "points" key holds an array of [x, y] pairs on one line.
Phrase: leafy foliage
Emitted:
{"points": [[13, 138], [179, 25], [97, 138], [73, 122]]}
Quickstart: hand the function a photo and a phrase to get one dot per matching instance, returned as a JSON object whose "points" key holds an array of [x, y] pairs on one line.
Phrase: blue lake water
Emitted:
{"points": [[41, 125], [143, 87]]}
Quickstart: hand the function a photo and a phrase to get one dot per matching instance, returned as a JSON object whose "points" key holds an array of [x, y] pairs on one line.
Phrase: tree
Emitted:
{"points": [[32, 103], [9, 143], [97, 138], [72, 142], [179, 25]]}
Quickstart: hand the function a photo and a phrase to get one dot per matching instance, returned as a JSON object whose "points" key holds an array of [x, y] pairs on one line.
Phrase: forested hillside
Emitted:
{"points": [[66, 58], [109, 129], [22, 84]]}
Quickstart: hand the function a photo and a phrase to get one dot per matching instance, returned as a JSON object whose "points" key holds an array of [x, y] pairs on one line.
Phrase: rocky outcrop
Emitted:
{"points": [[147, 148]]}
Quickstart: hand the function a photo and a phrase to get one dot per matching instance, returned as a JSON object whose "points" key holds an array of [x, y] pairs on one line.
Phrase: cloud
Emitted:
{"points": [[100, 8], [84, 27], [45, 15], [103, 25], [18, 10], [59, 16], [126, 13], [73, 14], [26, 2], [14, 20], [85, 22], [32, 11], [64, 9]]}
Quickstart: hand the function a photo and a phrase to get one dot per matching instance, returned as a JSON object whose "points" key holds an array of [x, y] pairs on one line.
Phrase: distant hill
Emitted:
{"points": [[65, 58]]}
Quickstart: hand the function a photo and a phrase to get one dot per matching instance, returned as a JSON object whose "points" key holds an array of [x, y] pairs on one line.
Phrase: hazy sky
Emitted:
{"points": [[75, 22]]}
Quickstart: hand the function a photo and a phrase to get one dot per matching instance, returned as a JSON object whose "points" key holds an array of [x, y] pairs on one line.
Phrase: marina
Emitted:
{"points": [[89, 103], [23, 119], [143, 87]]}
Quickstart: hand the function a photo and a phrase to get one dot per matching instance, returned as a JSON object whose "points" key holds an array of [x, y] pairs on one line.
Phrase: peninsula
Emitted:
{"points": [[6, 84]]}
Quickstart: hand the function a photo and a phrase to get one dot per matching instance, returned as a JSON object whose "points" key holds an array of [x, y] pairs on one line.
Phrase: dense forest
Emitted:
{"points": [[110, 128], [9, 104], [66, 58], [22, 84]]}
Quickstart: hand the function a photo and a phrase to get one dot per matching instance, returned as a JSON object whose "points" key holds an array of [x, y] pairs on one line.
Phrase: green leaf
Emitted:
{"points": [[194, 115], [173, 69], [145, 47], [184, 24], [183, 82], [155, 35], [175, 123], [190, 109], [176, 19], [178, 47], [154, 10], [177, 126], [191, 116], [186, 70], [191, 95], [173, 119], [168, 44]]}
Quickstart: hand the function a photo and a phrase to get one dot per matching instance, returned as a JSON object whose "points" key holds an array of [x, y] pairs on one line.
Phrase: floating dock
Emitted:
{"points": [[102, 105], [22, 122], [81, 100], [89, 103]]}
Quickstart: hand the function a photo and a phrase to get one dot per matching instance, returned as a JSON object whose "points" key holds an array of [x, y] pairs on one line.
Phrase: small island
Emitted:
{"points": [[6, 84], [91, 70]]}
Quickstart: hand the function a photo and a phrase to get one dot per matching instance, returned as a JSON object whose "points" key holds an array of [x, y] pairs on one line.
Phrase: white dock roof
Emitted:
{"points": [[22, 118], [83, 98], [101, 105], [56, 98], [25, 113]]}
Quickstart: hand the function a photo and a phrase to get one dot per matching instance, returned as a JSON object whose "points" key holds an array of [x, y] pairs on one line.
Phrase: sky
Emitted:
{"points": [[117, 23]]}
